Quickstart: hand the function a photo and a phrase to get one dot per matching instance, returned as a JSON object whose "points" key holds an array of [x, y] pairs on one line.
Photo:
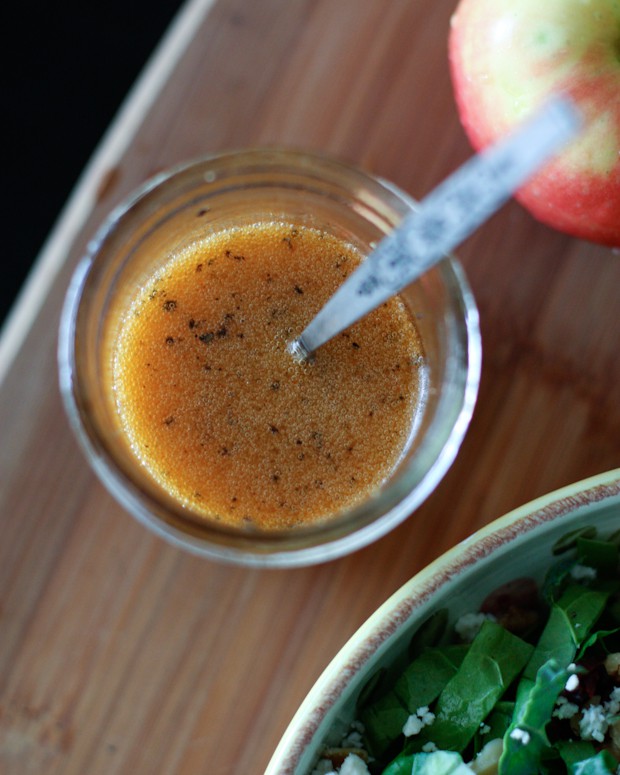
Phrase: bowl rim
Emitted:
{"points": [[497, 536]]}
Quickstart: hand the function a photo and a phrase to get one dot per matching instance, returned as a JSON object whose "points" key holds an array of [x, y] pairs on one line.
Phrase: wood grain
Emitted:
{"points": [[120, 654]]}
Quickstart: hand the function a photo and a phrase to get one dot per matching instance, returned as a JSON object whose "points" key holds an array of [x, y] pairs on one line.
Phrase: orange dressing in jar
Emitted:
{"points": [[221, 415]]}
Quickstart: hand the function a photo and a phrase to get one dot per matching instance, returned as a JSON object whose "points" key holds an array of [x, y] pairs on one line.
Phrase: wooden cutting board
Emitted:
{"points": [[120, 654]]}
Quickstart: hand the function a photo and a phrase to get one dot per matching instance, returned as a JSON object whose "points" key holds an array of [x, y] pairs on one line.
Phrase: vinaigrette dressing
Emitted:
{"points": [[221, 415]]}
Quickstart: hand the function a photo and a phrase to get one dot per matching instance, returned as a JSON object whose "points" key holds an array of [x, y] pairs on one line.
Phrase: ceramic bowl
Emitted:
{"points": [[515, 545]]}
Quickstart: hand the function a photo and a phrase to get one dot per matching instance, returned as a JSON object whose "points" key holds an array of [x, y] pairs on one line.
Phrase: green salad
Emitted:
{"points": [[529, 683]]}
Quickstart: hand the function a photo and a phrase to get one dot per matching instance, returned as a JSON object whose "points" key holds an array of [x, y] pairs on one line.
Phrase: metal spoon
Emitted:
{"points": [[449, 214]]}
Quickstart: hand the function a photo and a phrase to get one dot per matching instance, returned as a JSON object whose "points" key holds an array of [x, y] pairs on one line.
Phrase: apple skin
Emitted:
{"points": [[506, 58]]}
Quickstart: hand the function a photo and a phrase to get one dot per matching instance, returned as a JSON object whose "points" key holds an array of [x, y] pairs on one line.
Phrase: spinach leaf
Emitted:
{"points": [[601, 555], [601, 764], [614, 538], [420, 684], [596, 637], [402, 765], [569, 624], [556, 579], [573, 751], [436, 763], [569, 540], [372, 688], [383, 722], [495, 725], [493, 661], [439, 763], [429, 633], [526, 739]]}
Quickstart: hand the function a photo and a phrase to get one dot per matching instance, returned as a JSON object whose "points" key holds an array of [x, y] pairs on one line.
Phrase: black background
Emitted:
{"points": [[67, 68]]}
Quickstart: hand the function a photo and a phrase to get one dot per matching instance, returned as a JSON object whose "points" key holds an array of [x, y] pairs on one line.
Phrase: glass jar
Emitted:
{"points": [[177, 208]]}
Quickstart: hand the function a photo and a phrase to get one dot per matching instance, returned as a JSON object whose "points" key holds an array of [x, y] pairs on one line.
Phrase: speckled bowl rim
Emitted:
{"points": [[533, 519]]}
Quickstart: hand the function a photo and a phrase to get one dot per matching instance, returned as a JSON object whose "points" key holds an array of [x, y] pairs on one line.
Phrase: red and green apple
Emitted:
{"points": [[507, 57]]}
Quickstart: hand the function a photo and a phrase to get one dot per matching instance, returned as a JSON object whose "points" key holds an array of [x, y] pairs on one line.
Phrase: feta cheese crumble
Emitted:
{"points": [[417, 721], [583, 573], [565, 709], [593, 723], [354, 765], [354, 739], [612, 706], [520, 735], [572, 683], [468, 625]]}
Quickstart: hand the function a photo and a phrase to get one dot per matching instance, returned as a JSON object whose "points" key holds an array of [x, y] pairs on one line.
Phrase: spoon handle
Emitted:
{"points": [[450, 213]]}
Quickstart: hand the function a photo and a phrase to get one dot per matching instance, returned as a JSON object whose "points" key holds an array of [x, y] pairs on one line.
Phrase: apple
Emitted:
{"points": [[506, 58]]}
